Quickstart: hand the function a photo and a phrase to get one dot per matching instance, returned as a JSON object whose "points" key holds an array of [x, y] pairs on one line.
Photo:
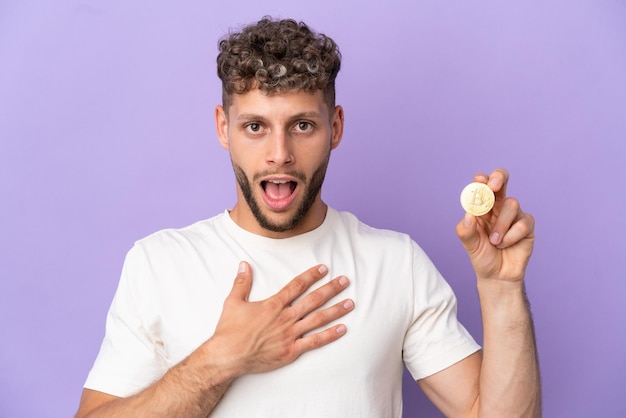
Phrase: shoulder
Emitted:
{"points": [[174, 252], [171, 238], [175, 245]]}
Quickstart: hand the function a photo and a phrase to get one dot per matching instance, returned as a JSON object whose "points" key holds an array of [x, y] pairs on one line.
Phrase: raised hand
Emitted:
{"points": [[499, 243]]}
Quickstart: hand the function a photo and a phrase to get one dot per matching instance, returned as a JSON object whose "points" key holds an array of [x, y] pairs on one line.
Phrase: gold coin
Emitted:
{"points": [[477, 199]]}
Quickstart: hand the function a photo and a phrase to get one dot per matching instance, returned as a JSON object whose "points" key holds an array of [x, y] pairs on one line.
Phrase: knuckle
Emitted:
{"points": [[319, 318], [275, 304], [286, 351], [524, 227], [315, 341], [286, 316], [299, 284], [308, 343], [512, 203], [316, 298]]}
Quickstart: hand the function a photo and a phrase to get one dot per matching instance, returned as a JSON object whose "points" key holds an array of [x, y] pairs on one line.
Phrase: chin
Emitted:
{"points": [[283, 222]]}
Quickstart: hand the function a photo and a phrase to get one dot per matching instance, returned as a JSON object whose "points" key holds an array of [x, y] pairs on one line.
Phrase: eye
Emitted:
{"points": [[303, 126], [253, 128]]}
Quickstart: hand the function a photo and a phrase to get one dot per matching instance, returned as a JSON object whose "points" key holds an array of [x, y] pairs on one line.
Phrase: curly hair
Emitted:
{"points": [[278, 56]]}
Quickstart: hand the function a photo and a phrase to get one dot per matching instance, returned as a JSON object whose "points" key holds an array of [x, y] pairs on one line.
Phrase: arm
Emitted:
{"points": [[250, 337], [504, 380]]}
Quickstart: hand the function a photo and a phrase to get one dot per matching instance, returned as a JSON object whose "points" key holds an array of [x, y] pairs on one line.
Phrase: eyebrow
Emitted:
{"points": [[253, 116]]}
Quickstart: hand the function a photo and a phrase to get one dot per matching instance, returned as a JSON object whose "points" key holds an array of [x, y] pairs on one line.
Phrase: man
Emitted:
{"points": [[181, 340]]}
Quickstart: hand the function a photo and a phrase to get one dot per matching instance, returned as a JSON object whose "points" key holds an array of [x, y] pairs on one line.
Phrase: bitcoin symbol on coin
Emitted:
{"points": [[477, 198]]}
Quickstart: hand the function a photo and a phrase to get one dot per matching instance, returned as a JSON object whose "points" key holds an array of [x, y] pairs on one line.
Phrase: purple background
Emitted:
{"points": [[106, 135]]}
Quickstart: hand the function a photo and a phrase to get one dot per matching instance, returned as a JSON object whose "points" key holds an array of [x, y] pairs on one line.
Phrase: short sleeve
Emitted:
{"points": [[130, 358], [435, 339]]}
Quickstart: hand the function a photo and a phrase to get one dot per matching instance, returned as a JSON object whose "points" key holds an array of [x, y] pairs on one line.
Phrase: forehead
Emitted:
{"points": [[255, 102]]}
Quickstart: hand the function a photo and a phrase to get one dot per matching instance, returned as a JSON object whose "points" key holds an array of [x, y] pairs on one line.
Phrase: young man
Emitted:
{"points": [[182, 340]]}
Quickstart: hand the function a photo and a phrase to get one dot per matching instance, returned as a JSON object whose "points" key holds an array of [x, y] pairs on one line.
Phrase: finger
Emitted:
{"points": [[498, 181], [322, 317], [296, 287], [320, 296], [481, 177], [509, 212], [523, 228], [468, 232], [319, 339], [243, 283]]}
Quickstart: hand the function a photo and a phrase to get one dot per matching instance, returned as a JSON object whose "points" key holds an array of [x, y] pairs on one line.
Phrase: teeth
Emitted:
{"points": [[279, 181]]}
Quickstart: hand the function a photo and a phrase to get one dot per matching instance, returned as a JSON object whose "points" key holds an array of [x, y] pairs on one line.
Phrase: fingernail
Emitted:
{"points": [[343, 281], [494, 182], [243, 266], [348, 304], [495, 238], [341, 329], [467, 220], [322, 269]]}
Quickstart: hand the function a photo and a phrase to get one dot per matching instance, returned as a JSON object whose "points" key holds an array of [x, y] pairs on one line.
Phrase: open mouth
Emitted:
{"points": [[278, 190]]}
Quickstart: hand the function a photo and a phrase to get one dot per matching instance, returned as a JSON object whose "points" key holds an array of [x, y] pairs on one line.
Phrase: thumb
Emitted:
{"points": [[467, 231], [243, 282]]}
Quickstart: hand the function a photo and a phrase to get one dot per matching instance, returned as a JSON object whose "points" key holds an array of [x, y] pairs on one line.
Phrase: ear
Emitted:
{"points": [[337, 127], [221, 124]]}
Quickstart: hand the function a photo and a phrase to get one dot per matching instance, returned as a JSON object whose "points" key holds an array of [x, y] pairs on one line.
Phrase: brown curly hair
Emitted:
{"points": [[278, 56]]}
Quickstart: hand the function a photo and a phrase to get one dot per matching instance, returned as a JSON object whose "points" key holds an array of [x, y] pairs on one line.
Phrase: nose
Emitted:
{"points": [[279, 149]]}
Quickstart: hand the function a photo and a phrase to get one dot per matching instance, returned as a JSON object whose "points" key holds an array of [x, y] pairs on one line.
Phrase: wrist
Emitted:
{"points": [[219, 361], [501, 294]]}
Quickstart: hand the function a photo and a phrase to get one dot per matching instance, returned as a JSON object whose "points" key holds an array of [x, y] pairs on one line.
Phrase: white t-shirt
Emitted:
{"points": [[174, 283]]}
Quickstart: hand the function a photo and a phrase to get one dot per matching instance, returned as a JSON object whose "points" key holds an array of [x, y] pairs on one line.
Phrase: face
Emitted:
{"points": [[280, 147]]}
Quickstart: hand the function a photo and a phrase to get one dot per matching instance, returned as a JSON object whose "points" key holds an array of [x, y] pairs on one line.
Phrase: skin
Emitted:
{"points": [[287, 137], [290, 137]]}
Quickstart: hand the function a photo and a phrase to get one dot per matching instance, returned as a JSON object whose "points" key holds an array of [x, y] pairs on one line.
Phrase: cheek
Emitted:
{"points": [[244, 155], [247, 160]]}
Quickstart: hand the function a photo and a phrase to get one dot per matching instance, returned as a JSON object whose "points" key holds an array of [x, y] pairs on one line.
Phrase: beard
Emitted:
{"points": [[312, 189]]}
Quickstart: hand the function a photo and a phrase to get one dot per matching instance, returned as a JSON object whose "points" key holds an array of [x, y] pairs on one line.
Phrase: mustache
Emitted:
{"points": [[297, 174]]}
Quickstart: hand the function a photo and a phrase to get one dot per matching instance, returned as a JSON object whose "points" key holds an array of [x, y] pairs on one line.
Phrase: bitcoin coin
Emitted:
{"points": [[477, 198]]}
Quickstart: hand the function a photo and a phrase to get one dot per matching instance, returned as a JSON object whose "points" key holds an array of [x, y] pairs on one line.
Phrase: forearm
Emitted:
{"points": [[192, 388], [509, 381]]}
